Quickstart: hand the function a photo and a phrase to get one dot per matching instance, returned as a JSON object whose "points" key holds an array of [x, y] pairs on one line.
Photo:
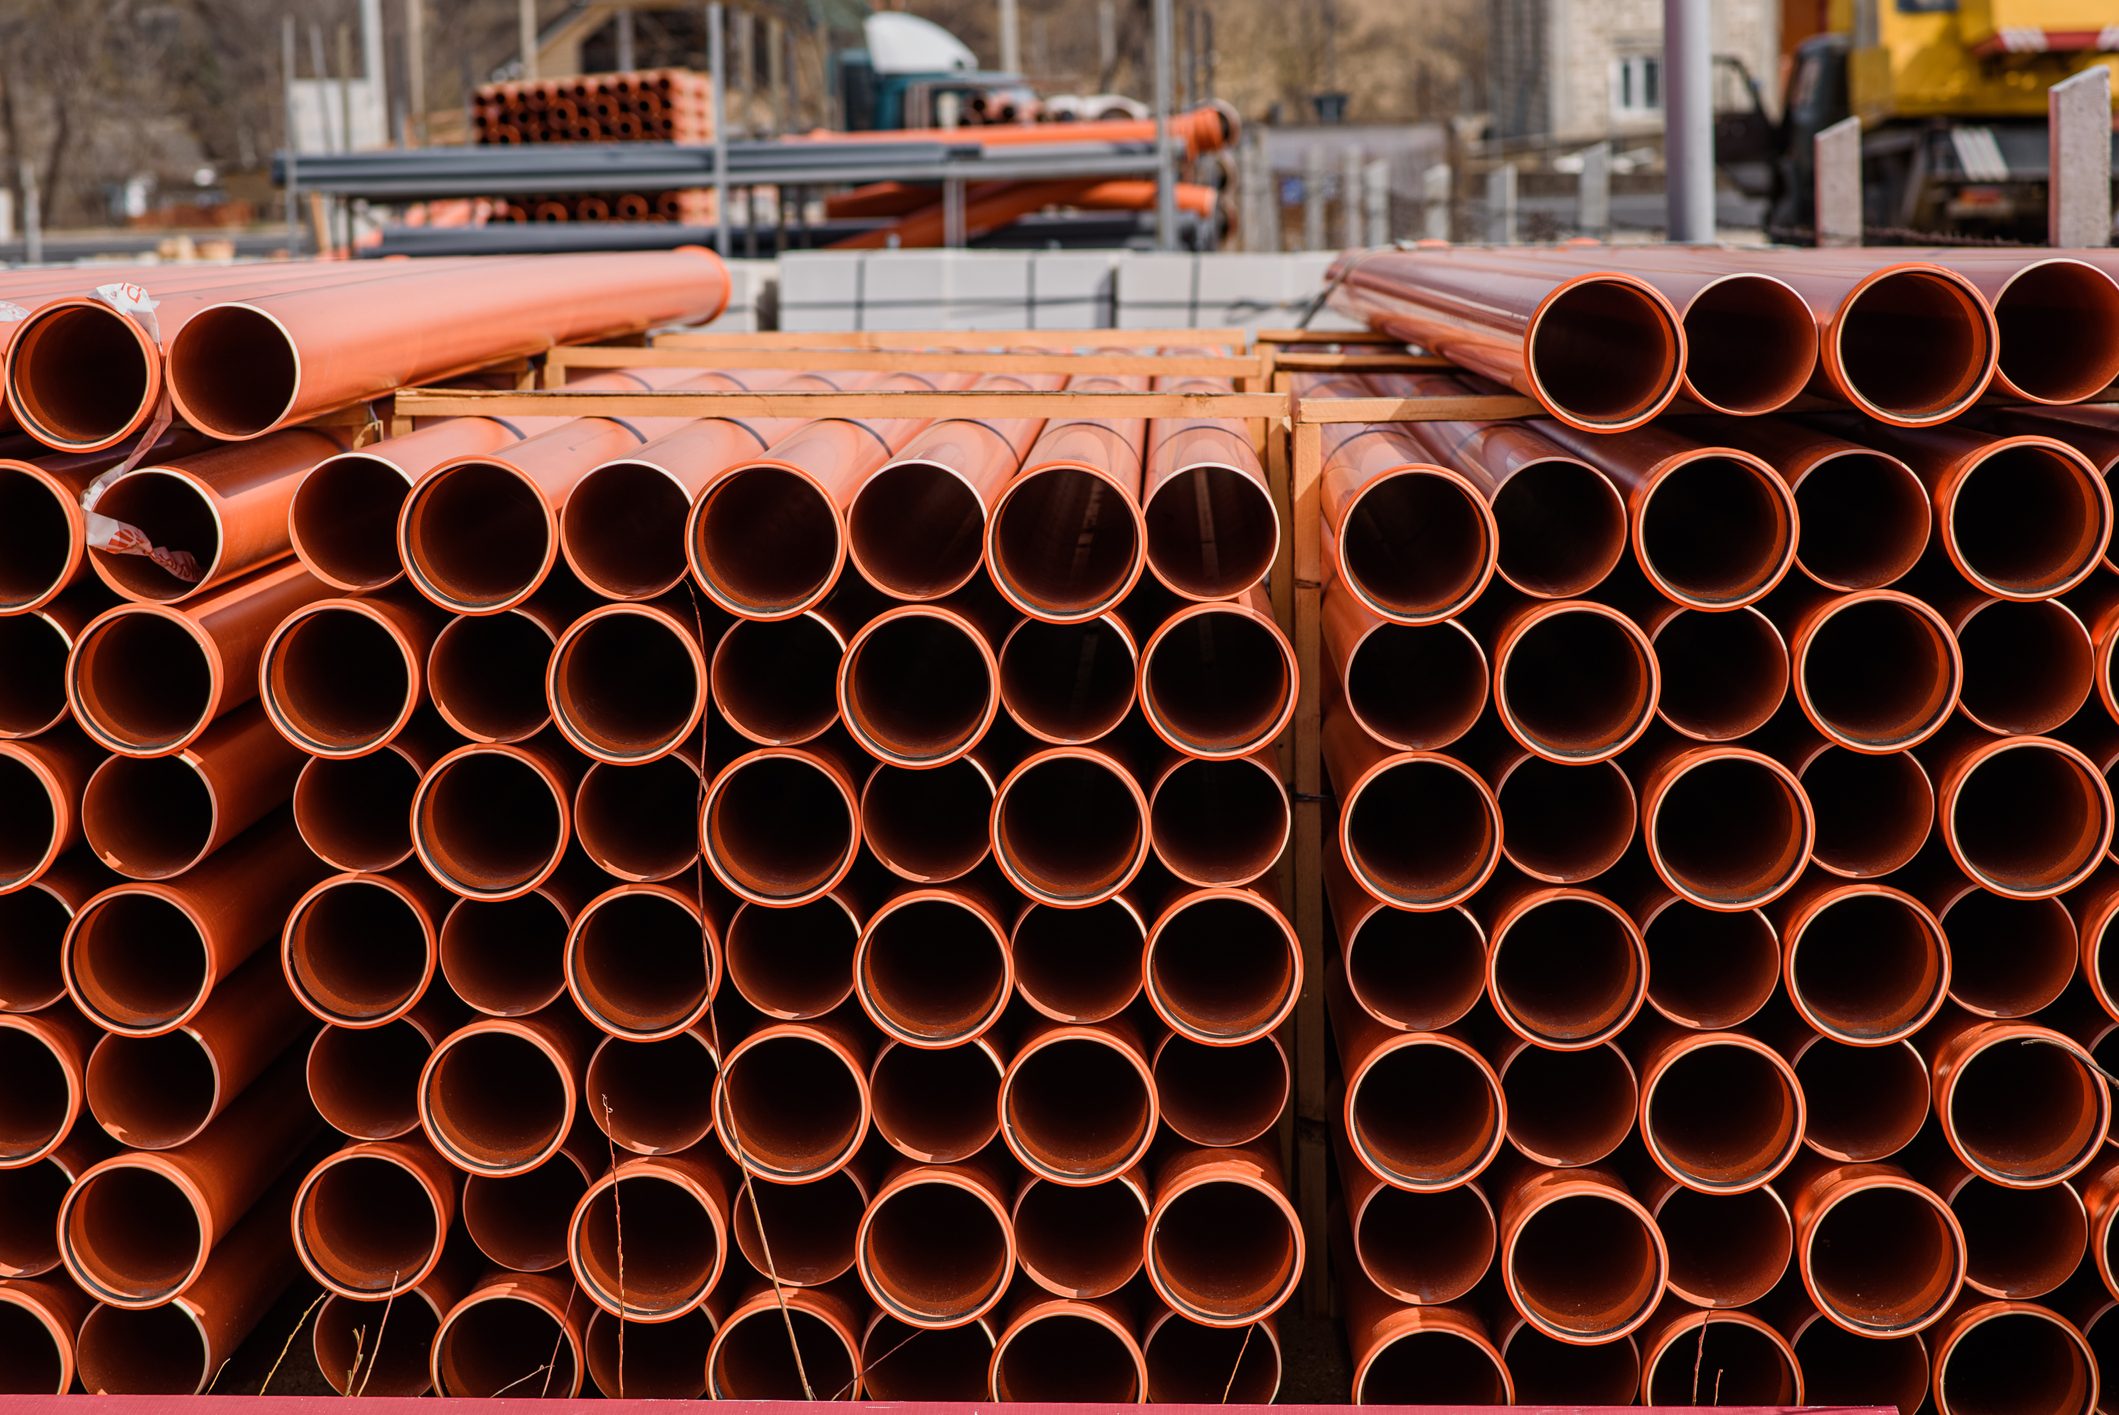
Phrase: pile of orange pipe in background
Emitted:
{"points": [[1723, 882], [625, 902], [647, 105]]}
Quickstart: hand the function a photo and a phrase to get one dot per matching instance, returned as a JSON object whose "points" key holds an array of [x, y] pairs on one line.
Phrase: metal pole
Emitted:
{"points": [[1011, 38], [293, 200], [1313, 176], [717, 75], [745, 22], [1688, 120], [32, 215], [372, 65], [1165, 156], [526, 35], [1350, 165], [2079, 126], [1501, 204], [627, 51], [1378, 202], [776, 72], [1836, 157], [1593, 194], [416, 67]]}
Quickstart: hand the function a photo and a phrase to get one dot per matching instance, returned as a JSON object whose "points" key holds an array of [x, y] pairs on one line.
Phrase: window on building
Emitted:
{"points": [[1637, 86]]}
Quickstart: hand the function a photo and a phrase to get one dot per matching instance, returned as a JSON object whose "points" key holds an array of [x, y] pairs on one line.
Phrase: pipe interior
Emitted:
{"points": [[1418, 971], [486, 674], [1066, 541], [793, 963], [1585, 1265], [345, 519], [1874, 811], [2029, 819], [1880, 673], [501, 1344], [29, 1214], [1577, 684], [1081, 1240], [1726, 1250], [919, 687], [2016, 1363], [33, 692], [496, 1100], [1221, 1095], [475, 534], [489, 823], [505, 957], [149, 817], [32, 940], [1569, 1107], [1218, 822], [2059, 326], [1568, 970], [1421, 832], [236, 370], [667, 1275], [1724, 674], [640, 822], [350, 1353], [1079, 965], [1194, 1364], [1733, 830], [1885, 1259], [936, 1104], [1750, 344], [1840, 1367], [936, 970], [1225, 1250], [2027, 665], [937, 1251], [37, 539], [1565, 824], [80, 374], [928, 825], [1562, 527], [354, 812], [154, 1093], [766, 539], [2020, 1243], [1419, 687], [811, 1227], [132, 1231], [661, 1359], [1428, 1366], [2027, 1109], [34, 1363], [641, 962], [1218, 682], [1069, 828], [1425, 1247], [1425, 1114], [796, 1109], [1865, 520], [1867, 966], [360, 950], [1548, 1371], [369, 1223], [1212, 531], [918, 530], [1070, 1358], [364, 1080], [39, 1099], [2026, 520], [1710, 969], [630, 685], [623, 528], [1604, 352], [1724, 1116], [144, 680], [1416, 544], [1068, 683], [1725, 1361], [1717, 530], [138, 961], [781, 826], [520, 1220], [653, 1098], [1224, 966], [154, 1350], [756, 1360], [1078, 1107], [1863, 1103], [2009, 957], [29, 822], [174, 515], [776, 680], [340, 680], [1913, 344]]}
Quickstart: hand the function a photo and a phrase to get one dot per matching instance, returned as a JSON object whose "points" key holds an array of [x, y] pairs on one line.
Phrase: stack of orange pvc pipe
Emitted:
{"points": [[650, 105], [677, 906], [1723, 875]]}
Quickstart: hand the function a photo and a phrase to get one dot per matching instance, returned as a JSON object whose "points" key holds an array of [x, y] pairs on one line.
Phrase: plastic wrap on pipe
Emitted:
{"points": [[43, 552]]}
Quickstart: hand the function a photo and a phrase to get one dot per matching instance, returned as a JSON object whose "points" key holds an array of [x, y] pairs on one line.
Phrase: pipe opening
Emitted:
{"points": [[487, 1347], [346, 1341], [2020, 1243], [1569, 1108], [1874, 810], [667, 1276], [337, 680], [486, 674], [1913, 346], [495, 1101], [153, 1093], [1841, 1368], [1867, 967], [41, 1097], [1424, 1115], [1710, 969], [1424, 1247], [234, 371], [130, 1351], [2030, 819], [1724, 674], [1212, 532], [1578, 684], [2026, 1110], [489, 823], [1878, 674], [475, 536], [148, 818], [755, 1359], [939, 1105], [1221, 1095], [1731, 832], [918, 530], [1425, 1365], [33, 693], [1741, 1361], [812, 1228], [622, 528], [344, 520], [37, 540], [793, 963], [627, 686], [1565, 824], [1068, 683], [1717, 531], [359, 950], [918, 688], [1434, 510], [1070, 829], [2009, 957], [137, 962], [1418, 687], [1750, 344], [1080, 1240], [29, 1217], [641, 964], [364, 1080], [1416, 972], [1065, 541], [776, 680], [1864, 1103], [1224, 1251], [29, 822], [1218, 683], [1548, 1371], [1223, 968], [1421, 832], [2022, 1361], [1569, 971], [1726, 1250], [80, 374], [1884, 1259], [520, 1220], [1722, 1116], [1562, 528], [32, 943], [765, 541], [143, 681], [505, 957], [1079, 965], [1604, 354], [780, 827], [935, 1251], [640, 822], [1219, 821], [36, 1362], [173, 513], [2027, 665], [653, 1098], [368, 1224], [933, 971], [928, 826], [1079, 1107], [131, 1233], [1064, 1356], [1195, 1364], [2059, 322], [1585, 1266], [661, 1358], [2027, 521], [1865, 520], [797, 1111]]}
